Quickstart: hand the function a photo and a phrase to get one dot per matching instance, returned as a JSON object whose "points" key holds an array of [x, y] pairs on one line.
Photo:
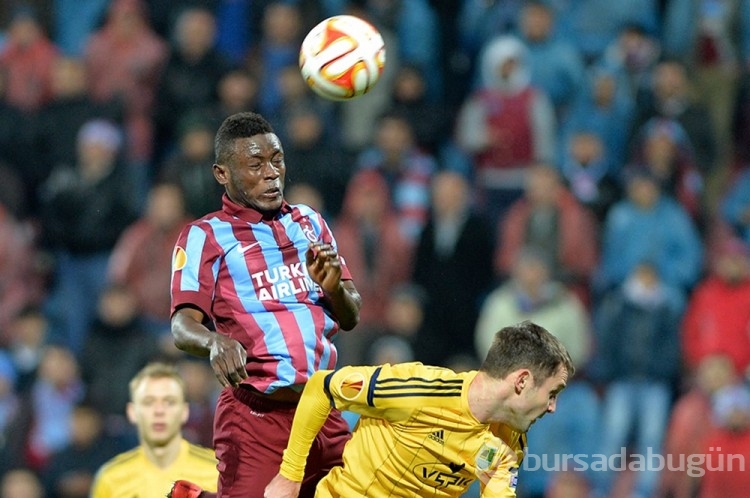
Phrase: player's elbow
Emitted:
{"points": [[350, 322]]}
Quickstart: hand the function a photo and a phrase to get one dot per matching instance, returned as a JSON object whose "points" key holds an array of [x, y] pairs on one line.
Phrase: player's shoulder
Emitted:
{"points": [[418, 369], [201, 453], [303, 209], [121, 462]]}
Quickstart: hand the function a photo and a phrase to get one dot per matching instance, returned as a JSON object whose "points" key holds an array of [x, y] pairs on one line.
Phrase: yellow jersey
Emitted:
{"points": [[132, 475], [416, 436]]}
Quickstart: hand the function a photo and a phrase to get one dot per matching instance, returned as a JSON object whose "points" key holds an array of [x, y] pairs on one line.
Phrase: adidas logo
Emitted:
{"points": [[437, 436]]}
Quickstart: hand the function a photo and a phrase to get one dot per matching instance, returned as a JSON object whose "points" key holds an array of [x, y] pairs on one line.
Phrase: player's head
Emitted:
{"points": [[536, 363], [157, 404], [250, 162]]}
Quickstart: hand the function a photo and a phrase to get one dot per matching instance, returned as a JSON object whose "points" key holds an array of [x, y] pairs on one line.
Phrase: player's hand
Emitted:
{"points": [[281, 487], [324, 266], [228, 358]]}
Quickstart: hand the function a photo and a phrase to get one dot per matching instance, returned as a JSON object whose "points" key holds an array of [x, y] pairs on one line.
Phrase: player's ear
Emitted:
{"points": [[521, 379], [221, 173], [130, 412]]}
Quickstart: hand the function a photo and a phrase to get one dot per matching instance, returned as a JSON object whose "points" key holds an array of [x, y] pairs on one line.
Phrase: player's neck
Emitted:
{"points": [[487, 398], [164, 456]]}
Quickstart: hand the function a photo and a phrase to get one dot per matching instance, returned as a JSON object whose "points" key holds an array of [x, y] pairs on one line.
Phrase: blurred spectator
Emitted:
{"points": [[670, 96], [404, 316], [505, 124], [454, 229], [367, 231], [71, 470], [141, 260], [117, 332], [74, 21], [479, 21], [592, 25], [277, 47], [124, 60], [603, 105], [304, 193], [555, 64], [633, 54], [42, 426], [358, 117], [190, 166], [316, 157], [735, 205], [710, 37], [27, 337], [389, 349], [717, 319], [648, 225], [663, 147], [59, 121], [429, 120], [201, 392], [406, 169], [549, 218], [9, 398], [728, 442], [741, 120], [27, 56], [21, 279], [236, 31], [689, 424], [84, 211], [295, 96], [587, 172], [237, 91], [21, 483], [638, 365], [16, 139], [163, 13], [415, 25], [532, 293], [191, 76]]}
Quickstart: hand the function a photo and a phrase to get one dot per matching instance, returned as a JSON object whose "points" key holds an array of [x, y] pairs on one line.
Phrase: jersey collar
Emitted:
{"points": [[248, 213]]}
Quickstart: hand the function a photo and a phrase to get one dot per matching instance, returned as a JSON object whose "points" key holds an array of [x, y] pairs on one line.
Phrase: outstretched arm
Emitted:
{"points": [[312, 412]]}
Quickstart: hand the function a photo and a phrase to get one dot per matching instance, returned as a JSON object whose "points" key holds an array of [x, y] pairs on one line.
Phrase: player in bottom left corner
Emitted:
{"points": [[159, 410]]}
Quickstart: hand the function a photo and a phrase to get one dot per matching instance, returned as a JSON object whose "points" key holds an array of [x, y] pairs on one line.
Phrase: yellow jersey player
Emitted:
{"points": [[159, 410], [429, 431]]}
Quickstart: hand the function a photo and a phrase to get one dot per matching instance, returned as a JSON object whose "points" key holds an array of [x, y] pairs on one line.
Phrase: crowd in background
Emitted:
{"points": [[581, 163]]}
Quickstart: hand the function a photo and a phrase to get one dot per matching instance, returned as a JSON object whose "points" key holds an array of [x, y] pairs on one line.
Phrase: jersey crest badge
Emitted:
{"points": [[485, 457], [308, 229]]}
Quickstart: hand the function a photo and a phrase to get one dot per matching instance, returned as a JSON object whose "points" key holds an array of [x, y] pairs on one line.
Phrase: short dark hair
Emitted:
{"points": [[240, 125], [526, 345]]}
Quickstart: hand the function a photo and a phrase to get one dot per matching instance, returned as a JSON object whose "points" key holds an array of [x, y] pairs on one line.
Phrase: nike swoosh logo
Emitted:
{"points": [[246, 248]]}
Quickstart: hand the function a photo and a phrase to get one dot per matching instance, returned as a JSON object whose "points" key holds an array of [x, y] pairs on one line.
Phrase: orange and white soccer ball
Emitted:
{"points": [[342, 57]]}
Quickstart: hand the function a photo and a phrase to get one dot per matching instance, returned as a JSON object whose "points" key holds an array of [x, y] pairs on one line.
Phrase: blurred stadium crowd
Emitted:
{"points": [[579, 163]]}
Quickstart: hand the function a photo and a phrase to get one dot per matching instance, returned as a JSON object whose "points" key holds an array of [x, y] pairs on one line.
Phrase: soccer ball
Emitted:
{"points": [[342, 57]]}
